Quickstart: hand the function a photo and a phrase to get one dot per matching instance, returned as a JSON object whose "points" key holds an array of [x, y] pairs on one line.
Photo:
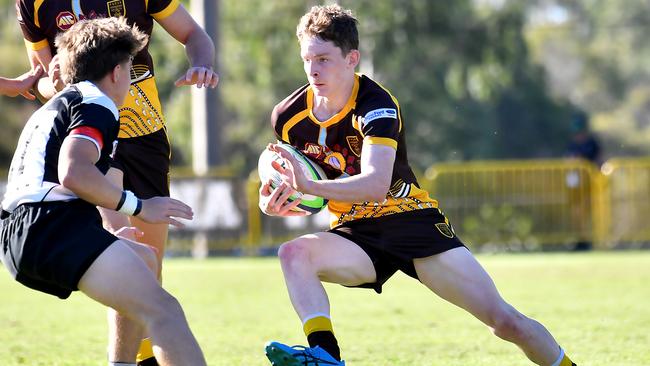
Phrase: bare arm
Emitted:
{"points": [[371, 184], [22, 84], [48, 85], [78, 173], [198, 47], [111, 219]]}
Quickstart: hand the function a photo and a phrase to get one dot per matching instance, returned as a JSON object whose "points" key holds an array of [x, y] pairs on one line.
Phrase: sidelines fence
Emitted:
{"points": [[625, 201], [518, 204]]}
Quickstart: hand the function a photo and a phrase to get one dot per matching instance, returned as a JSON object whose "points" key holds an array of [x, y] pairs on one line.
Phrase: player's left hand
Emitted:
{"points": [[22, 84], [201, 76], [130, 233], [274, 202]]}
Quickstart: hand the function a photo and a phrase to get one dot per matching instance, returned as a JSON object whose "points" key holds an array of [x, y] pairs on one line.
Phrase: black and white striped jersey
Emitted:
{"points": [[79, 111]]}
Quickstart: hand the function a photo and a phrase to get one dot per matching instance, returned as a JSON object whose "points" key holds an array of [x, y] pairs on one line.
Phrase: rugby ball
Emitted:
{"points": [[311, 204]]}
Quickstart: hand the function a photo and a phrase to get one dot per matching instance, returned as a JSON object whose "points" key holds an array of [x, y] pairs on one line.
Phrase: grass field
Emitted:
{"points": [[596, 305]]}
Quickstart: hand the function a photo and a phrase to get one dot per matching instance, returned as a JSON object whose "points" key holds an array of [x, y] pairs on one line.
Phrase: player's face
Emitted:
{"points": [[328, 71], [124, 81]]}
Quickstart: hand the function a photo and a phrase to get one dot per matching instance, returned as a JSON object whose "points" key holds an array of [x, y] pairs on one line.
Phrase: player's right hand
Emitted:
{"points": [[165, 210], [273, 202]]}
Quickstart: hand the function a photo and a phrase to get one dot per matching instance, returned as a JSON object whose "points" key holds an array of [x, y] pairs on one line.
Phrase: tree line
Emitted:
{"points": [[475, 79]]}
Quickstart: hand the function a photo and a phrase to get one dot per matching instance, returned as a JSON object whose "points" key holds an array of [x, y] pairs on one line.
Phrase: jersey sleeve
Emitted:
{"points": [[27, 16], [96, 117], [91, 134], [276, 124], [161, 9], [380, 120]]}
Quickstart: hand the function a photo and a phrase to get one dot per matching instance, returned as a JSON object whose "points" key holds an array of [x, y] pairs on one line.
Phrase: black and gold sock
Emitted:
{"points": [[319, 332]]}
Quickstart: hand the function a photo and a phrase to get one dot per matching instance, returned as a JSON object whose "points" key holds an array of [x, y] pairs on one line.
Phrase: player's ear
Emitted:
{"points": [[353, 58], [115, 73]]}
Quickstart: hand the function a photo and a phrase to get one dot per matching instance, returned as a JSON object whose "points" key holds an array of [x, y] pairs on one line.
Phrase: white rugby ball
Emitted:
{"points": [[309, 203]]}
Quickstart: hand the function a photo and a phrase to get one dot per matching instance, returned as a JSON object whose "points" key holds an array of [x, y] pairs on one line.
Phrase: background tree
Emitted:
{"points": [[596, 56]]}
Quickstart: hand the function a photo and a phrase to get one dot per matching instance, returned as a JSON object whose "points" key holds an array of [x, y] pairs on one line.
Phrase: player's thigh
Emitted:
{"points": [[456, 276], [337, 259], [120, 279], [146, 252]]}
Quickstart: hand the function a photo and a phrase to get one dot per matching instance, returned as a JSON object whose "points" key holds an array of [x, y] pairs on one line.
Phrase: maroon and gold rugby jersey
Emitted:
{"points": [[41, 20], [371, 114]]}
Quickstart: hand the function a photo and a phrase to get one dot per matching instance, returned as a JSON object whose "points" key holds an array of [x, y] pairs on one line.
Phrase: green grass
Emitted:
{"points": [[595, 304]]}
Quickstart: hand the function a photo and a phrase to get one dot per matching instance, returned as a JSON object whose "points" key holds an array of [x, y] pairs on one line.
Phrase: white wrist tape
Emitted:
{"points": [[130, 204]]}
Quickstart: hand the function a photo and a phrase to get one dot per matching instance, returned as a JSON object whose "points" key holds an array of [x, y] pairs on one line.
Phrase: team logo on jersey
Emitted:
{"points": [[335, 160], [354, 144], [116, 8], [445, 229], [65, 20], [379, 113]]}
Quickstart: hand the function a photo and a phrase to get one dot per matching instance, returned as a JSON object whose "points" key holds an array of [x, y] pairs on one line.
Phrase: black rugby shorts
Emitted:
{"points": [[49, 246], [393, 241], [144, 160]]}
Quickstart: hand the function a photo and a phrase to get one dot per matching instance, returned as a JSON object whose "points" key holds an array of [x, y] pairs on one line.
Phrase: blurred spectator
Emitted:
{"points": [[583, 145], [583, 142]]}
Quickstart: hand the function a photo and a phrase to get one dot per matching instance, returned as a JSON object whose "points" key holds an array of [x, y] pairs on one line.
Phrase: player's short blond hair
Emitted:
{"points": [[91, 49], [330, 23]]}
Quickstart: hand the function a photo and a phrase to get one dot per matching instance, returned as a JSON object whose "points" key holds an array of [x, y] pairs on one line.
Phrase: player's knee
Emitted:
{"points": [[508, 324], [163, 308], [294, 250]]}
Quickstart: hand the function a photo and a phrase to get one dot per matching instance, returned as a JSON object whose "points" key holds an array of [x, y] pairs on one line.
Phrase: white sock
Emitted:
{"points": [[120, 364], [315, 315], [559, 358]]}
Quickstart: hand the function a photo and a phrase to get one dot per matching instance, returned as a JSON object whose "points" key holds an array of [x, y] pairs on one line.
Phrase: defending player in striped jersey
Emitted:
{"points": [[142, 158], [51, 231], [382, 221]]}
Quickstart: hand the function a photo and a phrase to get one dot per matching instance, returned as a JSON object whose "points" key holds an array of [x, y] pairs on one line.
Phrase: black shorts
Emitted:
{"points": [[393, 241], [48, 246], [144, 160]]}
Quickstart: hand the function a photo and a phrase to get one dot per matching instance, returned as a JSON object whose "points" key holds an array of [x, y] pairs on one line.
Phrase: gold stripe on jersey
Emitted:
{"points": [[396, 103], [418, 199], [141, 113], [381, 141], [36, 46], [37, 5], [173, 5], [292, 122], [351, 103]]}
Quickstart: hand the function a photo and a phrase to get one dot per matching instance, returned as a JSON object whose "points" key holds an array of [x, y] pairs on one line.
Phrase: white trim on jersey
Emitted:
{"points": [[99, 150], [92, 94]]}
